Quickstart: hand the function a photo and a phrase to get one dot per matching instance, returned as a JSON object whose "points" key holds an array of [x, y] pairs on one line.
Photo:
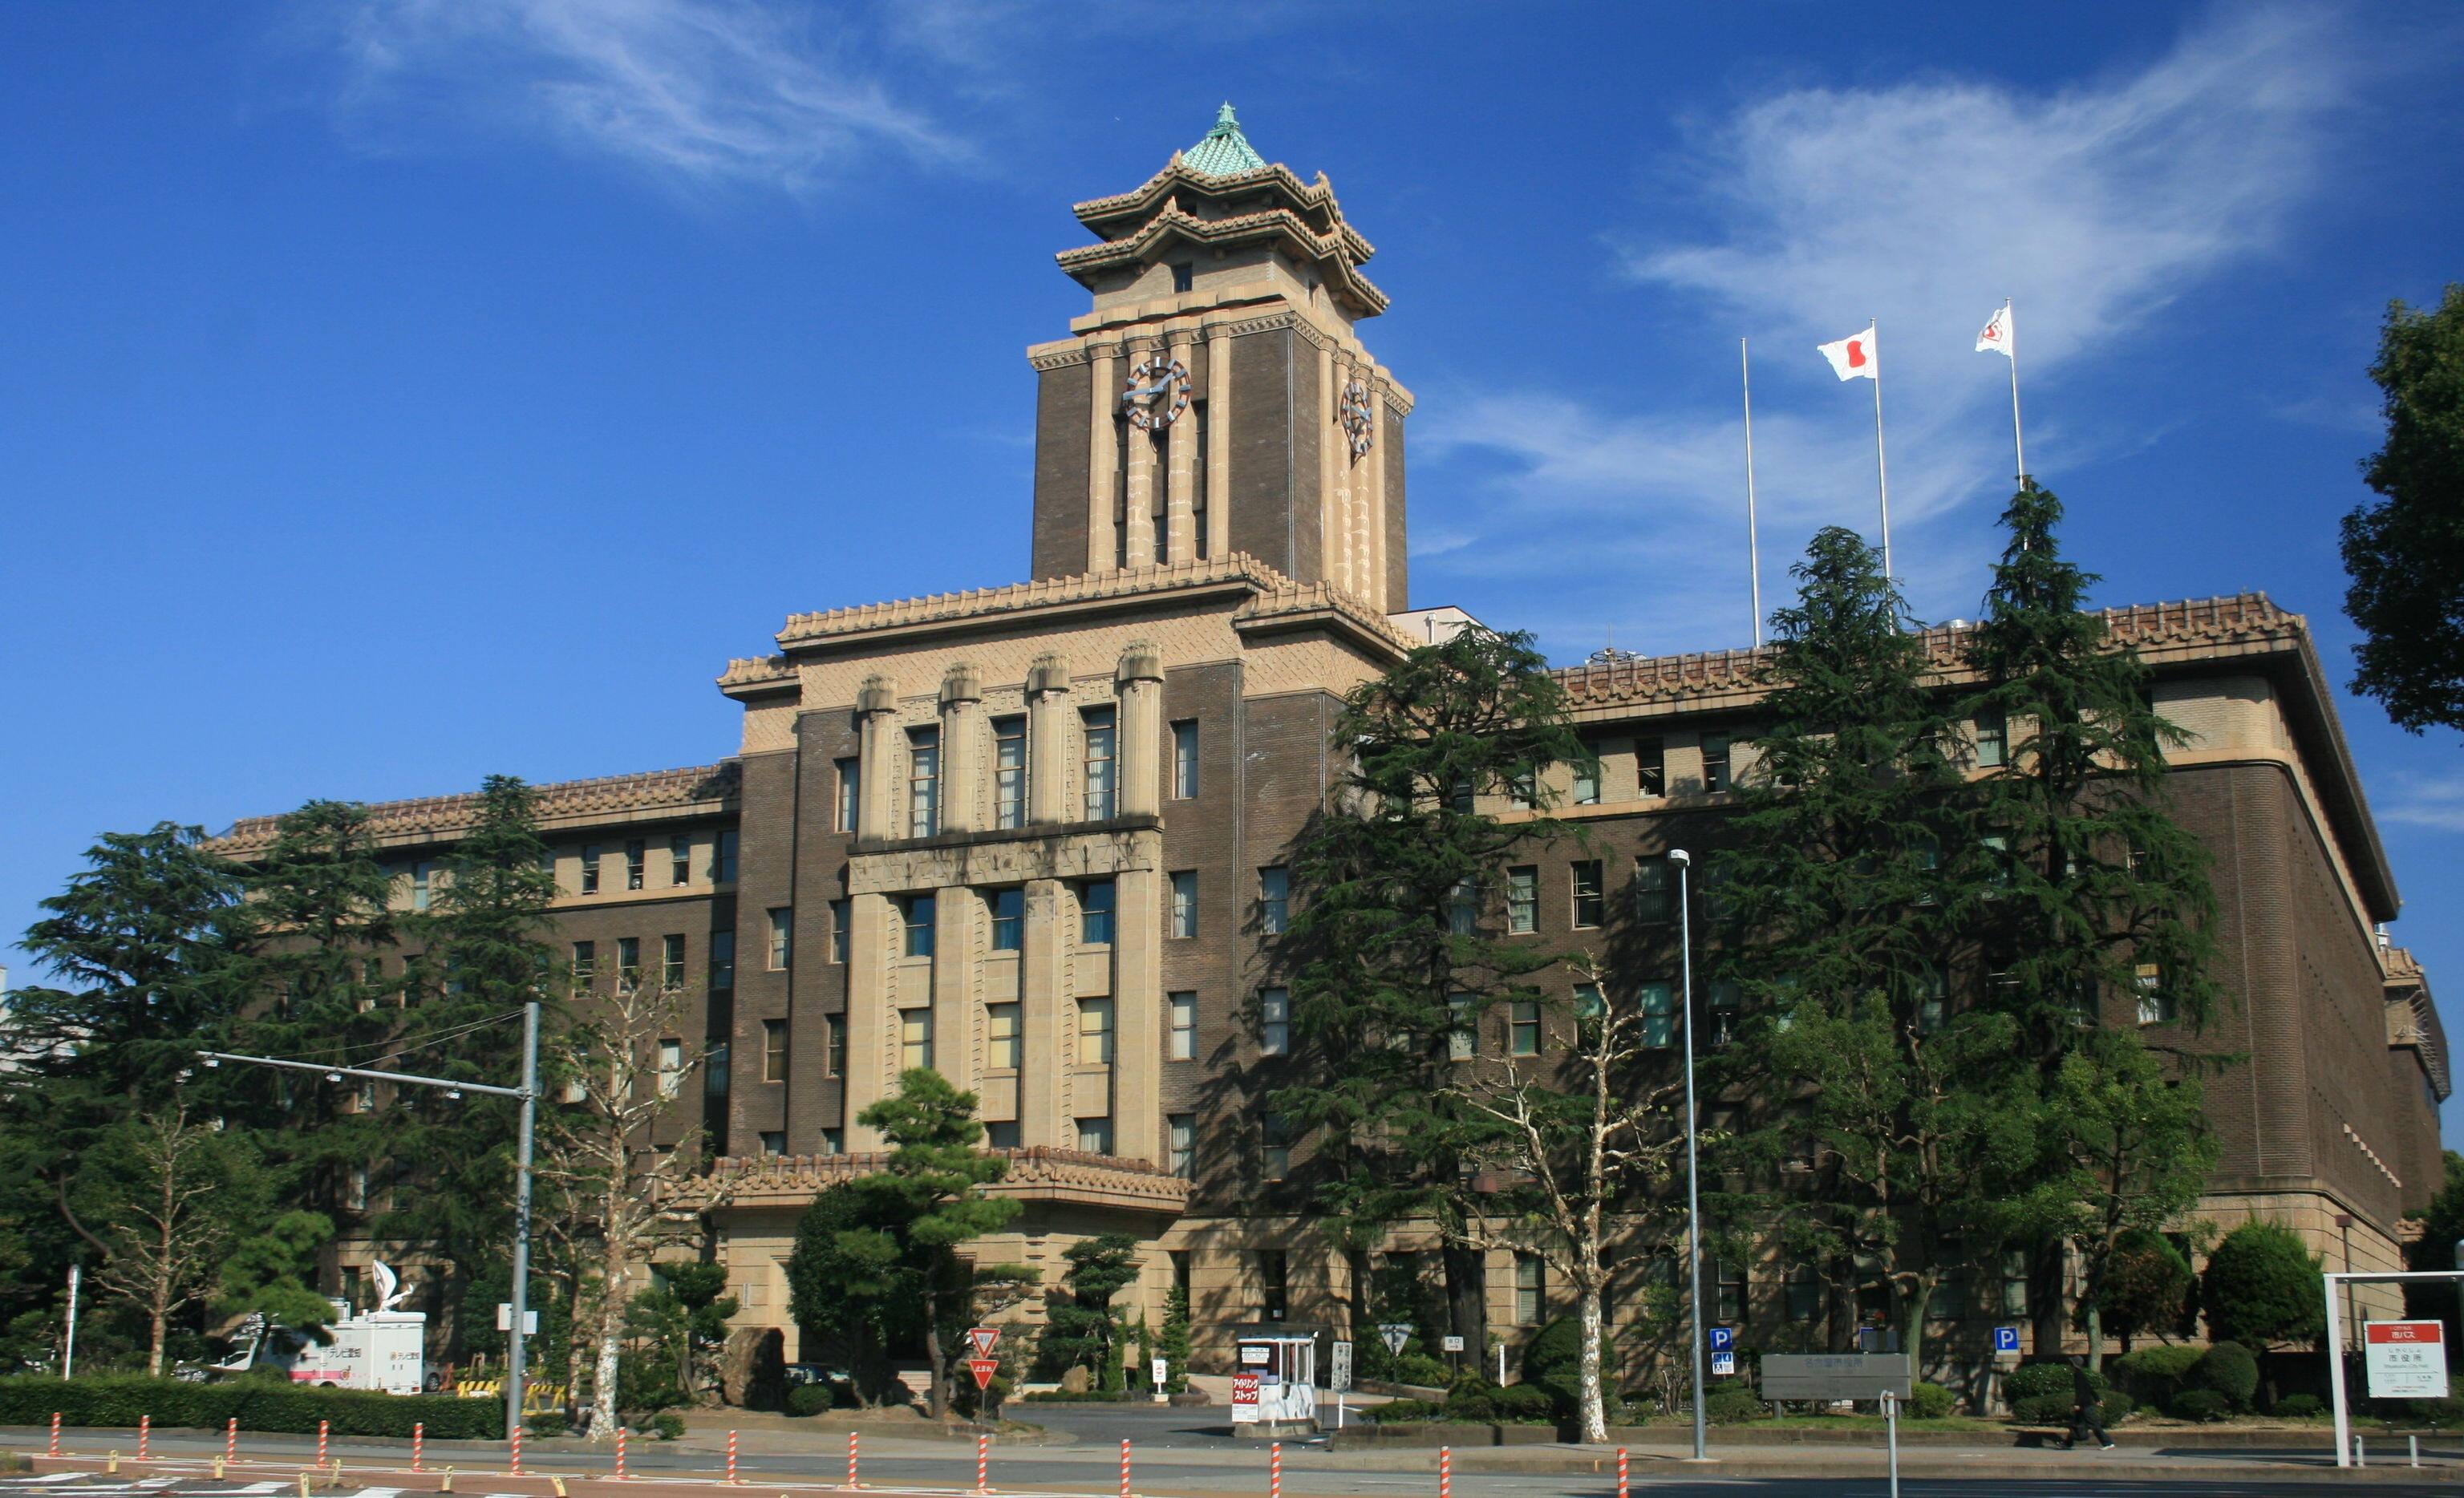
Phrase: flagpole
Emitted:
{"points": [[1754, 539], [2011, 346], [1882, 471]]}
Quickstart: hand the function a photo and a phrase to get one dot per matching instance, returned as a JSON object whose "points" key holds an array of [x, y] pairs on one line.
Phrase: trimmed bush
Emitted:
{"points": [[1401, 1412], [1930, 1401], [2046, 1379], [2227, 1369], [546, 1424], [1733, 1407], [1424, 1370], [2200, 1404], [2297, 1407], [1524, 1403], [256, 1403], [665, 1425], [2445, 1414], [2155, 1374], [809, 1398], [2056, 1409]]}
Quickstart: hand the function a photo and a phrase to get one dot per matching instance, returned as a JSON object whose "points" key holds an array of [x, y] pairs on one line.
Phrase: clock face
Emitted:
{"points": [[1157, 392], [1359, 421]]}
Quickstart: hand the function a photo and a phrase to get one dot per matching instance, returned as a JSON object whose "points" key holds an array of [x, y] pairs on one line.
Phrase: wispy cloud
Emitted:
{"points": [[696, 92], [2425, 800], [1922, 203]]}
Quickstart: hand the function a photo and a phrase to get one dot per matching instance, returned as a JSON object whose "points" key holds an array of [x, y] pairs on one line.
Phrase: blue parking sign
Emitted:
{"points": [[2005, 1339], [1723, 1338]]}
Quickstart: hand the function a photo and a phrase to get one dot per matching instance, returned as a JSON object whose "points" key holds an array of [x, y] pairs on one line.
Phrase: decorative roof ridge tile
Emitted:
{"points": [[642, 789], [750, 670]]}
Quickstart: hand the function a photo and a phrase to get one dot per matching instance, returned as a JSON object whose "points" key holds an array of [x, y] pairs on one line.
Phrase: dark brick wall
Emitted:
{"points": [[1274, 452], [1063, 411], [765, 878], [815, 1099]]}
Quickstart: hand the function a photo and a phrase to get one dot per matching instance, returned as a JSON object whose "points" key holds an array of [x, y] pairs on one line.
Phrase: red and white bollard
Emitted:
{"points": [[516, 1438], [145, 1437], [1125, 1469], [230, 1440], [620, 1453], [1275, 1471], [731, 1459], [983, 1463], [324, 1428], [851, 1454], [418, 1443], [1622, 1489], [1445, 1472], [56, 1434]]}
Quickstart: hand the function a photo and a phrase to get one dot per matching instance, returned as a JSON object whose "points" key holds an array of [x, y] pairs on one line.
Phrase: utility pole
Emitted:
{"points": [[527, 1094], [1694, 1328]]}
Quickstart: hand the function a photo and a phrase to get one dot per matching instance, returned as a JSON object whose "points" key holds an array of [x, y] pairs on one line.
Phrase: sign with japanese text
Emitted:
{"points": [[2406, 1359]]}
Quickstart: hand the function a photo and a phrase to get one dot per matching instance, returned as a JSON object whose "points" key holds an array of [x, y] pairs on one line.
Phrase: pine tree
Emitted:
{"points": [[1085, 1331], [2405, 554], [1396, 944]]}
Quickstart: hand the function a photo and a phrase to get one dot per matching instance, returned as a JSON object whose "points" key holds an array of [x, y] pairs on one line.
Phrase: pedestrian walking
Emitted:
{"points": [[2087, 1412]]}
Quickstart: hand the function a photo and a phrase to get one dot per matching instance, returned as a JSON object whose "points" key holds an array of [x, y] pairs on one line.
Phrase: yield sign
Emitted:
{"points": [[1395, 1335], [984, 1339], [984, 1368]]}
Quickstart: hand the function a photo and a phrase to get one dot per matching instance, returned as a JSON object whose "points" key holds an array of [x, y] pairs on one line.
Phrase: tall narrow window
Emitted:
{"points": [[914, 1039], [1722, 996], [1274, 1150], [2015, 1282], [1591, 898], [1658, 1003], [1523, 899], [715, 1078], [850, 792], [1992, 740], [722, 859], [1531, 1289], [1650, 767], [680, 858], [1731, 1277], [774, 1051], [1120, 491], [1095, 1136], [1009, 772], [1096, 770], [2155, 1004], [671, 963], [923, 782], [422, 876], [722, 961], [1587, 782], [1804, 1295], [1184, 903], [1094, 1032], [1197, 496], [1274, 1022], [1522, 1028], [1462, 907], [1715, 763], [1182, 1045], [628, 962], [1095, 913], [1655, 890], [1274, 900], [1184, 758], [1008, 911], [1933, 1003], [782, 939], [841, 916], [672, 1066], [590, 853], [637, 861], [916, 914], [1523, 789], [833, 1044], [585, 963], [1462, 1028], [1003, 1040], [1181, 1134]]}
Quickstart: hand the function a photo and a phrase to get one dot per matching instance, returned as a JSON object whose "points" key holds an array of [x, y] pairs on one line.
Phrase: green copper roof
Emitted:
{"points": [[1224, 151]]}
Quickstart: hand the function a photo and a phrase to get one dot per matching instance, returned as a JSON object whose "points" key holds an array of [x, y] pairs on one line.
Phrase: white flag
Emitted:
{"points": [[1997, 337], [1854, 357]]}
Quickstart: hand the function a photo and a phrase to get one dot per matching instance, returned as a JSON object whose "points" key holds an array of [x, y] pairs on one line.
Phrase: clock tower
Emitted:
{"points": [[1215, 398]]}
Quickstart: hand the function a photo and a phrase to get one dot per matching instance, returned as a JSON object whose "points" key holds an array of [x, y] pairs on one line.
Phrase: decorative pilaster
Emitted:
{"points": [[876, 714], [965, 806], [958, 948], [1102, 479], [1048, 740], [1139, 682], [1181, 436], [1137, 999], [1219, 448], [1042, 983], [872, 1023]]}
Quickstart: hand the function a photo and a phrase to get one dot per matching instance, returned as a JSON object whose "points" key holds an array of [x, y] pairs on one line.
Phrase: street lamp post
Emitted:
{"points": [[516, 1359], [1695, 1332]]}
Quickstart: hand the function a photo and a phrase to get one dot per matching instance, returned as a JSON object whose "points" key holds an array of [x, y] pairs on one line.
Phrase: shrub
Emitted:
{"points": [[2155, 1374], [2056, 1409], [257, 1404], [2227, 1369], [1733, 1407], [2299, 1407], [2045, 1378], [1524, 1401], [1419, 1368], [2445, 1414], [809, 1398], [1401, 1412], [666, 1425], [1470, 1400], [546, 1424], [2262, 1287], [1554, 1361], [2200, 1404], [1930, 1401]]}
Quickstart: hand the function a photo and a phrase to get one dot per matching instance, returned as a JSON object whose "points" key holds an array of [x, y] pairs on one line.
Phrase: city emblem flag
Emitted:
{"points": [[1997, 337], [984, 1368], [985, 1339], [1853, 358]]}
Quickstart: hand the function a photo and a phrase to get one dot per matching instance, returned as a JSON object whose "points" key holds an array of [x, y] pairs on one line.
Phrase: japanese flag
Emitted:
{"points": [[1997, 337], [1854, 357]]}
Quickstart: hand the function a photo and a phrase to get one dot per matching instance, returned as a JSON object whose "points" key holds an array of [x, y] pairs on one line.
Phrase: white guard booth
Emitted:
{"points": [[1274, 1386]]}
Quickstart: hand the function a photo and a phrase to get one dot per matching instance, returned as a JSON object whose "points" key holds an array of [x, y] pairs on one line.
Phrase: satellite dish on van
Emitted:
{"points": [[388, 1296]]}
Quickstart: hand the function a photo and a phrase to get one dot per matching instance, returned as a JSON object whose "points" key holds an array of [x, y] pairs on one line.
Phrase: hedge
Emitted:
{"points": [[257, 1404]]}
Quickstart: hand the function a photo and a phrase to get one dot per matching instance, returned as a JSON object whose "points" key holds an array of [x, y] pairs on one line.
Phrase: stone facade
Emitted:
{"points": [[1033, 835]]}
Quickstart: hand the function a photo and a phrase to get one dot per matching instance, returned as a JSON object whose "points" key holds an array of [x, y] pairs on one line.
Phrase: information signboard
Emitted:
{"points": [[1837, 1376], [2406, 1359], [1339, 1367]]}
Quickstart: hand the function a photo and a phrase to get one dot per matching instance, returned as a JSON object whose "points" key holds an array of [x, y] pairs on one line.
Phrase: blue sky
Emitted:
{"points": [[404, 390]]}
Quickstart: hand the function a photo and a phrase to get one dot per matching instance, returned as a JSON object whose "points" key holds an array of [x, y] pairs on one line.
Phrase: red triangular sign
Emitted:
{"points": [[984, 1368], [985, 1339]]}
